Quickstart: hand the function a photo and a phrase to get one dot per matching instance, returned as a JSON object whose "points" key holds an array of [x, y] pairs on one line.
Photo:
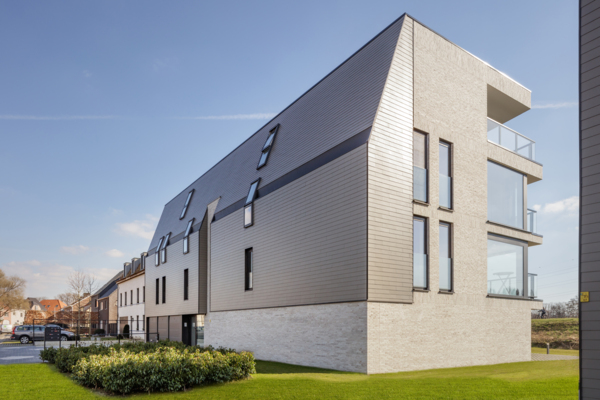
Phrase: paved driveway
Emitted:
{"points": [[19, 354]]}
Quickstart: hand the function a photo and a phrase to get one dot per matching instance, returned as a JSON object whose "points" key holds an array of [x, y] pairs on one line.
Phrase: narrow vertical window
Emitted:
{"points": [[164, 289], [446, 273], [420, 253], [185, 283], [249, 269], [249, 208], [121, 299], [186, 236], [187, 203], [144, 294], [137, 295], [143, 260], [445, 175], [163, 249], [125, 298], [266, 150], [419, 166], [157, 251], [137, 322], [157, 289], [131, 296]]}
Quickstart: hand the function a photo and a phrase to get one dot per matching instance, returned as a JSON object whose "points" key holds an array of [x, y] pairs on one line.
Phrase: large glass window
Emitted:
{"points": [[419, 166], [506, 266], [445, 175], [420, 252], [505, 196], [445, 257]]}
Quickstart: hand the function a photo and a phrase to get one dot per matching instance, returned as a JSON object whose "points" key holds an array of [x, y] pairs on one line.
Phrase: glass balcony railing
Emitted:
{"points": [[420, 184], [445, 191], [445, 274], [420, 270], [533, 286], [532, 220], [511, 140]]}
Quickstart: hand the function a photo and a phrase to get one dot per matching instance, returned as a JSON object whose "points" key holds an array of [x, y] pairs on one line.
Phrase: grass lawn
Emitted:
{"points": [[559, 352], [531, 380]]}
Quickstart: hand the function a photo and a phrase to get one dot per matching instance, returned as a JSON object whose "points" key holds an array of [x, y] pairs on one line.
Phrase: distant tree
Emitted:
{"points": [[11, 292], [67, 298], [81, 285]]}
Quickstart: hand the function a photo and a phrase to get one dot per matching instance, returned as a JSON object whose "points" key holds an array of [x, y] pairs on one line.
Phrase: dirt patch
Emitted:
{"points": [[561, 333]]}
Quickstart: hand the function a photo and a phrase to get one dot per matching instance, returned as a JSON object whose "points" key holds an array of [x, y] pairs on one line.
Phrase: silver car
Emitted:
{"points": [[27, 333]]}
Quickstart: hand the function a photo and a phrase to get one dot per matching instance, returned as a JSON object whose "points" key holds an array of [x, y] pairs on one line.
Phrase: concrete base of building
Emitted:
{"points": [[369, 337]]}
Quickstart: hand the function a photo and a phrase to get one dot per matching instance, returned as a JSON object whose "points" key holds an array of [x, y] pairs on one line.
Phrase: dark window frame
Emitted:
{"points": [[163, 250], [450, 147], [426, 248], [157, 252], [525, 246], [121, 299], [267, 147], [144, 293], [157, 290], [426, 156], [186, 284], [131, 297], [186, 236], [450, 253], [249, 269], [187, 203], [125, 298], [252, 195], [164, 289], [138, 295]]}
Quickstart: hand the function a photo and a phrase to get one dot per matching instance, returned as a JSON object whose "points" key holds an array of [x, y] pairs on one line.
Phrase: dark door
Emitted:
{"points": [[186, 329]]}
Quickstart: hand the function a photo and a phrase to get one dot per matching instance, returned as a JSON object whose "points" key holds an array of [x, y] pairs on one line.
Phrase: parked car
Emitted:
{"points": [[27, 333]]}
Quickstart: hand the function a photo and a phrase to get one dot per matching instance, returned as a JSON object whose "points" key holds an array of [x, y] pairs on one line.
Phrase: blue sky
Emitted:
{"points": [[109, 109]]}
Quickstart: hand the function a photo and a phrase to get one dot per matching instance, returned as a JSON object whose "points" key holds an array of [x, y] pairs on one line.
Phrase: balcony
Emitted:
{"points": [[532, 286], [531, 220], [510, 140]]}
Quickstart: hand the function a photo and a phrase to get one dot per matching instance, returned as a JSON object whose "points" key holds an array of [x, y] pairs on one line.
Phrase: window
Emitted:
{"points": [[121, 299], [143, 321], [125, 298], [445, 175], [96, 305], [266, 150], [157, 289], [137, 295], [419, 166], [131, 297], [143, 261], [187, 203], [156, 255], [445, 258], [506, 200], [506, 266], [420, 253], [185, 284], [186, 236], [144, 294], [137, 322], [249, 208], [249, 269], [163, 249], [164, 289]]}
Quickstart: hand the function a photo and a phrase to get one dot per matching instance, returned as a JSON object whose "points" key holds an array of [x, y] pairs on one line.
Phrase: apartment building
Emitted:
{"points": [[132, 297], [589, 198], [377, 224]]}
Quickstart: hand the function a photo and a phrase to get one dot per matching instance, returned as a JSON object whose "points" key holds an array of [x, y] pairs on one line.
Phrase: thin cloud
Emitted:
{"points": [[555, 105], [74, 250], [115, 253], [570, 205], [233, 117], [140, 228], [58, 118]]}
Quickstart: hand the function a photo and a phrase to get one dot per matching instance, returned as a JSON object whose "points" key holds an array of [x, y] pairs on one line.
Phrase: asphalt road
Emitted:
{"points": [[19, 354]]}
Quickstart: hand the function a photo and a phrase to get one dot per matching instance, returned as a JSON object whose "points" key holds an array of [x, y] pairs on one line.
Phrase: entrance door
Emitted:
{"points": [[186, 330]]}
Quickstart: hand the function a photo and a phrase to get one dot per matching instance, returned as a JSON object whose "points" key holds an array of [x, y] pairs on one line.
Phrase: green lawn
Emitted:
{"points": [[561, 352], [530, 380]]}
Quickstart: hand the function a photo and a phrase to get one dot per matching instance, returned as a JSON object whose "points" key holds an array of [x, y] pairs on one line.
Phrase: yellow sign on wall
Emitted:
{"points": [[585, 297]]}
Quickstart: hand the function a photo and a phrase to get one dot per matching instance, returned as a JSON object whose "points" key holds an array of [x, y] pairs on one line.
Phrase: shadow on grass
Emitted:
{"points": [[270, 367]]}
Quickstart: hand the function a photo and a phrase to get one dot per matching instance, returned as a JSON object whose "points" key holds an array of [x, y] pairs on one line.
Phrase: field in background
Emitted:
{"points": [[561, 333], [531, 380]]}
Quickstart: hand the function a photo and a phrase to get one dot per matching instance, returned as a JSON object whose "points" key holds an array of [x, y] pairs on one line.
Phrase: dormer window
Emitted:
{"points": [[187, 203], [156, 255], [186, 236], [143, 260], [163, 249], [266, 150], [249, 207]]}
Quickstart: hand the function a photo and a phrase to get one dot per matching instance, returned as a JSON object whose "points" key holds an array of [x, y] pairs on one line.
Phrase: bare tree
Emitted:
{"points": [[67, 298], [11, 292], [81, 285]]}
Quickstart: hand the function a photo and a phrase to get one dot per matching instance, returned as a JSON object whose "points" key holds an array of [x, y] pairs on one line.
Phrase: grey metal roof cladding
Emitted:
{"points": [[109, 286], [338, 107]]}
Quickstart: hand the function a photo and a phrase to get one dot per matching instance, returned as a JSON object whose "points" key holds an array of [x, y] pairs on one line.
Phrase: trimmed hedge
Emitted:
{"points": [[149, 367]]}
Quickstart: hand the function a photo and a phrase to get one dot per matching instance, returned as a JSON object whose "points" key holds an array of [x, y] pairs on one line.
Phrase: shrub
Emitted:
{"points": [[99, 332], [48, 355], [167, 369]]}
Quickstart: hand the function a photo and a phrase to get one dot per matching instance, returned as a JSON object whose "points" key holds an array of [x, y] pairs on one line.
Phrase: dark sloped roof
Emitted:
{"points": [[109, 286], [108, 291], [340, 106]]}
